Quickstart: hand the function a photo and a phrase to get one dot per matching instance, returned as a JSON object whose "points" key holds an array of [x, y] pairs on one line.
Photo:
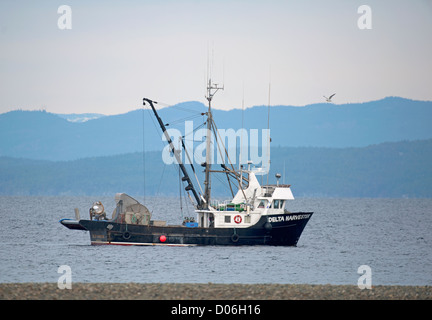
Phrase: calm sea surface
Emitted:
{"points": [[392, 236]]}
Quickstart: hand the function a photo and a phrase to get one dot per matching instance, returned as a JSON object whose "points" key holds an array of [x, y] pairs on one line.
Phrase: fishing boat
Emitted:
{"points": [[255, 215]]}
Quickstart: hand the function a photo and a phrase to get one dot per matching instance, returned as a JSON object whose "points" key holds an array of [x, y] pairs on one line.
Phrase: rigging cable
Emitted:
{"points": [[160, 136], [184, 119], [191, 163], [180, 192], [216, 131]]}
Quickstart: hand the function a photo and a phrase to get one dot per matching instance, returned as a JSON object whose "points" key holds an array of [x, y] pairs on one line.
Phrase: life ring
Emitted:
{"points": [[235, 237], [238, 219], [126, 235]]}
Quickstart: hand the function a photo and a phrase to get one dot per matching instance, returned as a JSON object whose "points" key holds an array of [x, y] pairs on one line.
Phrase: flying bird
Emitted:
{"points": [[329, 98]]}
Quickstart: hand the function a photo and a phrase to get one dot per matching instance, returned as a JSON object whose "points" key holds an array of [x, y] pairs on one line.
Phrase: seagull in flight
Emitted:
{"points": [[329, 98]]}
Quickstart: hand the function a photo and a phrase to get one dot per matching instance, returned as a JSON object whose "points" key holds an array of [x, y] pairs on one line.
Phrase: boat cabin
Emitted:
{"points": [[247, 207]]}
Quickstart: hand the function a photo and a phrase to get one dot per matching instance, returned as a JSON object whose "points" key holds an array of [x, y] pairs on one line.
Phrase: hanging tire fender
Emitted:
{"points": [[268, 226], [235, 237], [126, 235]]}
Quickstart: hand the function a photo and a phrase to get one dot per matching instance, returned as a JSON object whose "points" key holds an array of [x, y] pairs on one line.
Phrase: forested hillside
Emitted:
{"points": [[401, 169]]}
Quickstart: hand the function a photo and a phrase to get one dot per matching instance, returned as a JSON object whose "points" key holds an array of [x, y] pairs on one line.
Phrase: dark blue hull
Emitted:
{"points": [[276, 230]]}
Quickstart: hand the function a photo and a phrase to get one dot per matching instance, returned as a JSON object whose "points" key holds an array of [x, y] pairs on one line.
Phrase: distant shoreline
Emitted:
{"points": [[210, 291]]}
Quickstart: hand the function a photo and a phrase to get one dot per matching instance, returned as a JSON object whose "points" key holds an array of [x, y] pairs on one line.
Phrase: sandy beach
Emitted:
{"points": [[210, 291]]}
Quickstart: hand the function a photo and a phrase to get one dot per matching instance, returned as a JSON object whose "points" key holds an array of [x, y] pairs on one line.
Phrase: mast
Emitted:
{"points": [[211, 91], [186, 178]]}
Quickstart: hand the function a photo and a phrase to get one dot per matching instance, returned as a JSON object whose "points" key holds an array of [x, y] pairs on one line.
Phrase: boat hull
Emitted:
{"points": [[277, 230]]}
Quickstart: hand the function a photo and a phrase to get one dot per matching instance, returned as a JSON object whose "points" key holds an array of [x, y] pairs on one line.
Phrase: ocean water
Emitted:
{"points": [[391, 236]]}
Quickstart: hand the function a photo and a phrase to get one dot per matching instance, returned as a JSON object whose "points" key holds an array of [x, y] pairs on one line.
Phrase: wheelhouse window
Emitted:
{"points": [[277, 204], [262, 204]]}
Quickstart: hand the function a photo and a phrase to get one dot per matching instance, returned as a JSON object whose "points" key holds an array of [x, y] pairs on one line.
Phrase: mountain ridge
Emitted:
{"points": [[46, 136]]}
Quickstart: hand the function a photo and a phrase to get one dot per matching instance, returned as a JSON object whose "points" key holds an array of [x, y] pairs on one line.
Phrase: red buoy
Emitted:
{"points": [[162, 238]]}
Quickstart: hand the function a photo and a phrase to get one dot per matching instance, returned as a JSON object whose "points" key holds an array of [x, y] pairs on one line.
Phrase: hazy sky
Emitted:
{"points": [[118, 52]]}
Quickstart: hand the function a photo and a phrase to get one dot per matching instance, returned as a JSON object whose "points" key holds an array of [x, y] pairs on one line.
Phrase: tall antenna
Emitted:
{"points": [[268, 126], [212, 88], [241, 131]]}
